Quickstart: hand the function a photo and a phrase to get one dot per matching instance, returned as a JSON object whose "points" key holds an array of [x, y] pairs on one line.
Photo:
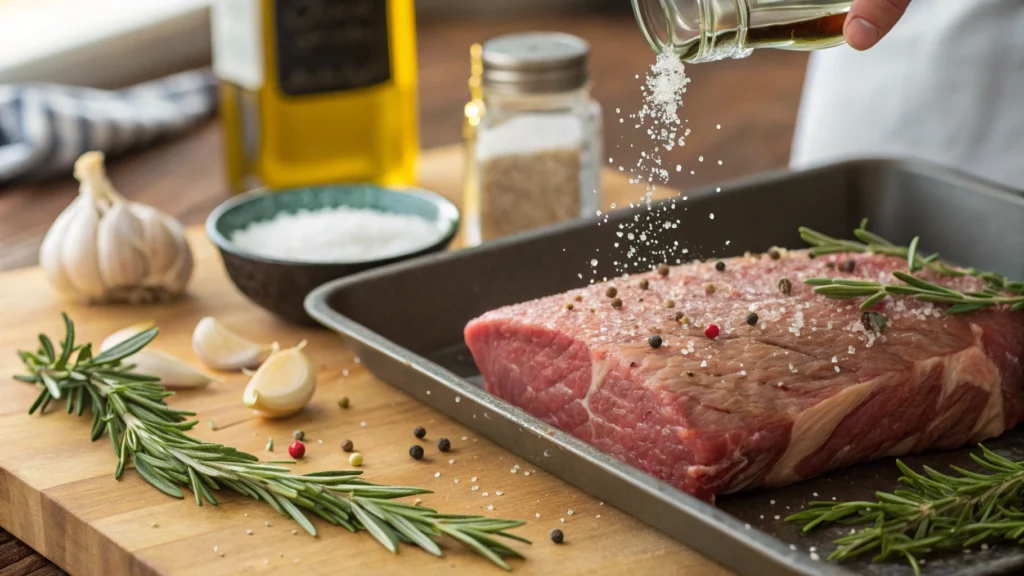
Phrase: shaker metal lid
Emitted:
{"points": [[535, 62]]}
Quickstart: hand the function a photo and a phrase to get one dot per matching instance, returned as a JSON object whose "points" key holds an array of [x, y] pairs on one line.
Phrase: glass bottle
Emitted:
{"points": [[532, 136], [706, 30], [316, 91]]}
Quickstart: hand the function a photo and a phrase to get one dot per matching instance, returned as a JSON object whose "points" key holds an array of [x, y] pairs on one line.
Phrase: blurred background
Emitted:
{"points": [[116, 43]]}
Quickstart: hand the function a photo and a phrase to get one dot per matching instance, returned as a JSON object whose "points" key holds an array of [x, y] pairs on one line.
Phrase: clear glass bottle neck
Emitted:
{"points": [[707, 30]]}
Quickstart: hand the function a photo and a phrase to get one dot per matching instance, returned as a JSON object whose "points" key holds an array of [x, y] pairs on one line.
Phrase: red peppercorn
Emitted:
{"points": [[296, 450], [712, 331]]}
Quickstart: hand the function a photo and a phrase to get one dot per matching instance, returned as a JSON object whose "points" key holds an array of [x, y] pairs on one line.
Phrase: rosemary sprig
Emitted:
{"points": [[151, 436], [936, 512], [998, 289]]}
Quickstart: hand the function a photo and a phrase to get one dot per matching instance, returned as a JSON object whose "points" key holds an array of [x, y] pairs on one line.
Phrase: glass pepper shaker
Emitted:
{"points": [[706, 30], [532, 136]]}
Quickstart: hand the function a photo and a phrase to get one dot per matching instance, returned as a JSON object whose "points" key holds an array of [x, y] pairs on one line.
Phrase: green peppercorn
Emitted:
{"points": [[443, 444], [569, 306], [720, 266], [644, 284], [299, 435], [416, 451], [709, 289], [611, 292], [774, 254], [355, 459], [420, 432], [670, 303]]}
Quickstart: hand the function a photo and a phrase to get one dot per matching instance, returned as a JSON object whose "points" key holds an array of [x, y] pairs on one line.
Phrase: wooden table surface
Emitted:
{"points": [[754, 100]]}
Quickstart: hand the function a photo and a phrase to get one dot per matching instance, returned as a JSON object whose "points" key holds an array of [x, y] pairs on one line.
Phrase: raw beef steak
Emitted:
{"points": [[807, 388]]}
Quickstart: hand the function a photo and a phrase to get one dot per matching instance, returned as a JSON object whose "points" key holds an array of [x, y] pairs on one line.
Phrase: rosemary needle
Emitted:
{"points": [[151, 436]]}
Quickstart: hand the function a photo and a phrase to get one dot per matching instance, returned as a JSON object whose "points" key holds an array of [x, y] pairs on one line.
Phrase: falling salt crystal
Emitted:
{"points": [[718, 189], [815, 494], [593, 262], [363, 423], [792, 546], [437, 474], [719, 162], [249, 532], [490, 506], [527, 473], [704, 364], [451, 461], [344, 372], [777, 517], [772, 502], [835, 359], [295, 532], [813, 549], [464, 438], [852, 350], [562, 520], [475, 488], [679, 167], [815, 557], [712, 216], [537, 514], [456, 480], [837, 369], [485, 494], [473, 479], [215, 548], [743, 372], [458, 399], [267, 524]]}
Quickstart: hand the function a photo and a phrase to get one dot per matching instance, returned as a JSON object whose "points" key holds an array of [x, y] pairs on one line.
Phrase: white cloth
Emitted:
{"points": [[946, 85]]}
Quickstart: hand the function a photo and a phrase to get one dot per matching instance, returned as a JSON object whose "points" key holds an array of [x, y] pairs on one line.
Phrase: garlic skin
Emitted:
{"points": [[104, 249], [283, 385], [173, 372], [221, 349]]}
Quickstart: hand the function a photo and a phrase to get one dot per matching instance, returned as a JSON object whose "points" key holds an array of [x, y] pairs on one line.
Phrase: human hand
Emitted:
{"points": [[870, 20]]}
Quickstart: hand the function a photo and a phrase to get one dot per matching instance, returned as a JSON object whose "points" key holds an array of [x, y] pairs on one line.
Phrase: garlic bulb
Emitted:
{"points": [[172, 371], [222, 349], [103, 248], [283, 385]]}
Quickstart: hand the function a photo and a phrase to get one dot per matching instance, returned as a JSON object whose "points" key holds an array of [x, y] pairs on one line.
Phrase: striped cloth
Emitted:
{"points": [[44, 128]]}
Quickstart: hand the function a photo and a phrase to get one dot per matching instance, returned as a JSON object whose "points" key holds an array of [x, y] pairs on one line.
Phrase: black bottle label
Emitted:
{"points": [[331, 45]]}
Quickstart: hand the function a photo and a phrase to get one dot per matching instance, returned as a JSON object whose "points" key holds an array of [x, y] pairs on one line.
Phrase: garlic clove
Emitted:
{"points": [[49, 252], [121, 259], [172, 371], [221, 349], [283, 385], [78, 254], [124, 334]]}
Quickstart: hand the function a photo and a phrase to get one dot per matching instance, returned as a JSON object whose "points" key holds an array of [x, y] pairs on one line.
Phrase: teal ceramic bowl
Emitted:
{"points": [[281, 286]]}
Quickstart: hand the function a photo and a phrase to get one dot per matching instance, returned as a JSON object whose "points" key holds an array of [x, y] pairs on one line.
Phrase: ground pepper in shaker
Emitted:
{"points": [[534, 141]]}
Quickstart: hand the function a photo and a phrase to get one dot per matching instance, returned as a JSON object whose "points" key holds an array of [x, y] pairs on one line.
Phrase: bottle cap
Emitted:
{"points": [[535, 62]]}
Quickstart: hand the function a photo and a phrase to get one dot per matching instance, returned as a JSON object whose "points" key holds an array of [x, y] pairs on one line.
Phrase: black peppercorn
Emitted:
{"points": [[611, 292], [557, 537], [847, 266], [720, 266], [416, 451], [690, 374], [299, 435], [785, 286], [663, 269], [644, 284], [774, 254], [830, 265], [419, 432], [679, 316], [347, 445], [617, 303], [654, 341], [752, 319], [443, 444]]}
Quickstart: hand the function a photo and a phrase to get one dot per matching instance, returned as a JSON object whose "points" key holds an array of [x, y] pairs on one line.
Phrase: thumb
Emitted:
{"points": [[870, 20]]}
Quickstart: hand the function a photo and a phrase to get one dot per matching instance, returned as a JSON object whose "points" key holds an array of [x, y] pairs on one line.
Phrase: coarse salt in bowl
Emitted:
{"points": [[279, 246]]}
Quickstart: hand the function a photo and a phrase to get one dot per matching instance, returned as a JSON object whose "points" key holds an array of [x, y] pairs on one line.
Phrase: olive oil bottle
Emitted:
{"points": [[317, 91]]}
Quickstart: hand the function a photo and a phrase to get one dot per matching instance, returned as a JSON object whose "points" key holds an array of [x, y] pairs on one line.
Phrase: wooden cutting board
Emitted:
{"points": [[58, 493]]}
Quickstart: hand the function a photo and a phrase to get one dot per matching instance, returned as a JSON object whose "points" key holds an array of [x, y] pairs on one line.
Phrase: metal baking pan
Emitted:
{"points": [[406, 323]]}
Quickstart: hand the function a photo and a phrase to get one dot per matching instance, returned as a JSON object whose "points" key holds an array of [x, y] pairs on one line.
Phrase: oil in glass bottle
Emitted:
{"points": [[317, 91]]}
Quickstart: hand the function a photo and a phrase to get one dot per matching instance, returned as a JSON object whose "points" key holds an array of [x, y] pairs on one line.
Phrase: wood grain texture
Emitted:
{"points": [[58, 494], [754, 100]]}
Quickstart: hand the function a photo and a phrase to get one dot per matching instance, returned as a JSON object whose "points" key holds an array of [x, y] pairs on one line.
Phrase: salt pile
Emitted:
{"points": [[340, 234]]}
